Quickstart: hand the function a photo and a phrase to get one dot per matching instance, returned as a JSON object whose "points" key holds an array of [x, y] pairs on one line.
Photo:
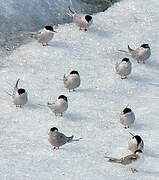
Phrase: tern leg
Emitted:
{"points": [[80, 29], [19, 106], [85, 30]]}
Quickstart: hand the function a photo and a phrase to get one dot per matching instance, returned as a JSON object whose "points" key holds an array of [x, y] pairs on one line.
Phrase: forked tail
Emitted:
{"points": [[34, 35], [69, 139], [16, 85], [71, 12], [130, 50], [15, 88]]}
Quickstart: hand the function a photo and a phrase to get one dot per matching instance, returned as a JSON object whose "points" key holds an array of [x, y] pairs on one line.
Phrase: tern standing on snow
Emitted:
{"points": [[44, 36], [141, 54], [19, 95], [81, 20], [59, 106], [135, 143], [127, 117], [123, 68], [58, 139], [72, 81]]}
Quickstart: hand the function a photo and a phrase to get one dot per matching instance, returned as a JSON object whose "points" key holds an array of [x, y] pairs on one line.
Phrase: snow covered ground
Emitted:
{"points": [[94, 109]]}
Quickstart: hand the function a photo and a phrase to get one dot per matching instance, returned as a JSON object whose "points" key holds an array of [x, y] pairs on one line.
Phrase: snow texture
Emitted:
{"points": [[94, 108]]}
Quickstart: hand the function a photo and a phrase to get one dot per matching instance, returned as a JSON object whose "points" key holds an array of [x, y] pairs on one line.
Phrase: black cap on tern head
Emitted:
{"points": [[53, 129], [125, 59], [74, 72], [126, 110], [145, 46], [50, 28], [21, 91], [138, 139], [138, 150], [63, 97], [88, 18]]}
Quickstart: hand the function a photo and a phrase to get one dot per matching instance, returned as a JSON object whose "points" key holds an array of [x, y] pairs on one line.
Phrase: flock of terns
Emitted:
{"points": [[72, 81]]}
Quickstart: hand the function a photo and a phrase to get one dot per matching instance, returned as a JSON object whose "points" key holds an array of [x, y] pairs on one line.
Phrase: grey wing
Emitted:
{"points": [[79, 20], [129, 159], [135, 53], [42, 37], [34, 35], [61, 138], [45, 37]]}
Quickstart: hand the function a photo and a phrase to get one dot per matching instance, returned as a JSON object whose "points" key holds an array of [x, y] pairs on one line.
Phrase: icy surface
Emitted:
{"points": [[20, 16], [94, 108]]}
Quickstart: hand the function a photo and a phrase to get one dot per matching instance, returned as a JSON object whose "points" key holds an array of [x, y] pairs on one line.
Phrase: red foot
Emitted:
{"points": [[85, 30], [54, 148], [80, 29]]}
